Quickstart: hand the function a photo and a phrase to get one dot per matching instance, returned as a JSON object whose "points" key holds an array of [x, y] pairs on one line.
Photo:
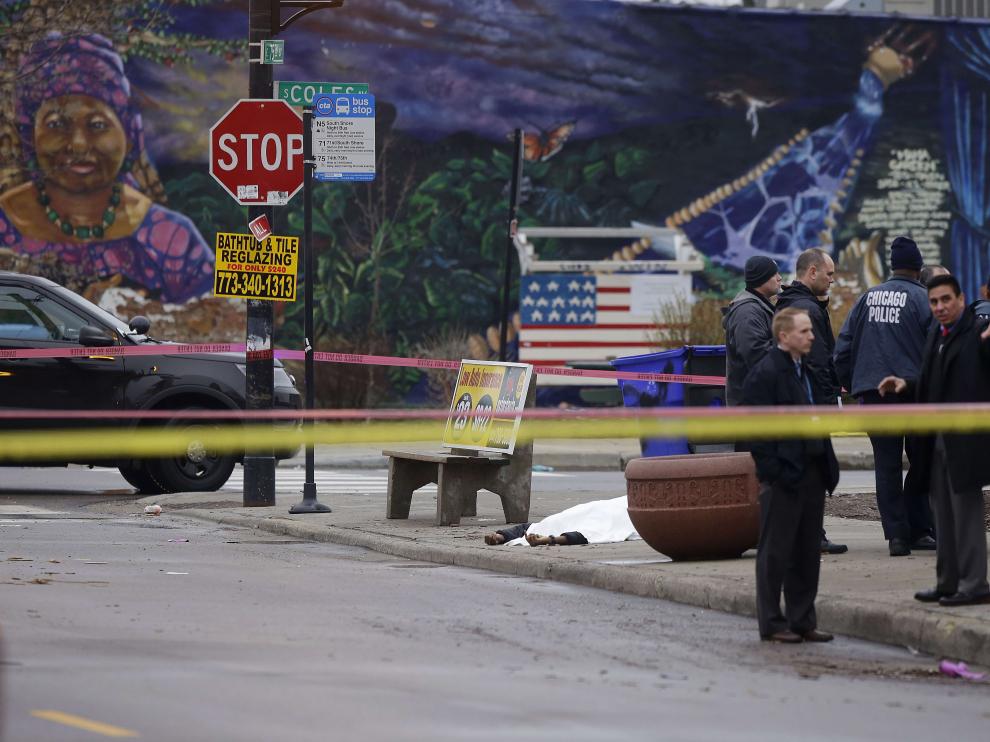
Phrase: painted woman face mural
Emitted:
{"points": [[80, 134]]}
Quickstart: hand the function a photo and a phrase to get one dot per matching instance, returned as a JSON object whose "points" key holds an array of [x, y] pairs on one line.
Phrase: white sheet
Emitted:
{"points": [[601, 522]]}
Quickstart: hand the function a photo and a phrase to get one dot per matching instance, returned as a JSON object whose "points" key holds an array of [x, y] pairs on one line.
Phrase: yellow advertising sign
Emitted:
{"points": [[248, 269], [487, 404]]}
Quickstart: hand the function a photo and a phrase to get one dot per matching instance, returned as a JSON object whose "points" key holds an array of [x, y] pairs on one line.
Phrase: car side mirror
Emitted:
{"points": [[140, 325], [94, 337]]}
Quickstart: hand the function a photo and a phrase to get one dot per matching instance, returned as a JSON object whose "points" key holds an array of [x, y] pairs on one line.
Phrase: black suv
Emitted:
{"points": [[37, 313]]}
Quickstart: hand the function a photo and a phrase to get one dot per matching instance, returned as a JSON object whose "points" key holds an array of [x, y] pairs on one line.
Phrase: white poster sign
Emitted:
{"points": [[647, 292]]}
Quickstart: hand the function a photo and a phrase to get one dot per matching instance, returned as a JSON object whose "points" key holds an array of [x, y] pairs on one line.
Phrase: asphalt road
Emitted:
{"points": [[232, 635]]}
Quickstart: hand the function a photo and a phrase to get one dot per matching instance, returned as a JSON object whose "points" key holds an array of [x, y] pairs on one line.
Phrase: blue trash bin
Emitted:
{"points": [[703, 360]]}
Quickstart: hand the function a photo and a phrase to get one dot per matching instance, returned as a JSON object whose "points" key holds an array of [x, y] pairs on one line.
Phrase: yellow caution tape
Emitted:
{"points": [[150, 441]]}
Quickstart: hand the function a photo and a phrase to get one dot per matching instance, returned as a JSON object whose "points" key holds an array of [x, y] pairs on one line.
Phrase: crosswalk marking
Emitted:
{"points": [[28, 510], [328, 481], [344, 482]]}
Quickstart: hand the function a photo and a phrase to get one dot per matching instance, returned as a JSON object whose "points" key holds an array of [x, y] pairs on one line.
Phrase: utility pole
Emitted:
{"points": [[510, 235], [259, 466], [265, 22]]}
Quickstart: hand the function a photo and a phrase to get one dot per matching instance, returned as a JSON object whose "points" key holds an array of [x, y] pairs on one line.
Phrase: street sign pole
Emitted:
{"points": [[514, 185], [259, 465], [309, 503], [264, 23]]}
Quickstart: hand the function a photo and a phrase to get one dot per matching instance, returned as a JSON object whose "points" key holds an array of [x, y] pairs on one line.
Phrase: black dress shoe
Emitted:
{"points": [[930, 596], [962, 598], [817, 636], [924, 543], [785, 637], [899, 547], [830, 547]]}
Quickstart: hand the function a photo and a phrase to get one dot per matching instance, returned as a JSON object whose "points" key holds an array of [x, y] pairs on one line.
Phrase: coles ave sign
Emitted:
{"points": [[256, 152]]}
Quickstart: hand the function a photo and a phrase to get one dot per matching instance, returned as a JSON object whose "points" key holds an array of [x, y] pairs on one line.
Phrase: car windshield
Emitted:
{"points": [[115, 322]]}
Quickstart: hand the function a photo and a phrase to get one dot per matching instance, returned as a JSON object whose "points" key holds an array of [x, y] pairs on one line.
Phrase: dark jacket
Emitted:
{"points": [[982, 309], [959, 373], [799, 296], [747, 339], [883, 335], [773, 381]]}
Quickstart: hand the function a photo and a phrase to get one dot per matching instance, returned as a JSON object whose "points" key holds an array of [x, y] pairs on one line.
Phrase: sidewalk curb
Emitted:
{"points": [[939, 635]]}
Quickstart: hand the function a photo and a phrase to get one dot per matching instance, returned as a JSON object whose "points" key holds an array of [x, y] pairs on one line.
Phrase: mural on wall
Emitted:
{"points": [[752, 132]]}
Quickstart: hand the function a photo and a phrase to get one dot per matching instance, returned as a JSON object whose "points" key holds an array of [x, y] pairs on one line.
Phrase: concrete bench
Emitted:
{"points": [[459, 474]]}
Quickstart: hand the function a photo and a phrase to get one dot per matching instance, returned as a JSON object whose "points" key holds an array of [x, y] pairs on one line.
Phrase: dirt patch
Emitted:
{"points": [[863, 506]]}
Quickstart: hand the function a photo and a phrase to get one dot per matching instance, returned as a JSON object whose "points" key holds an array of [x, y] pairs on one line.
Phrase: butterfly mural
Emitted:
{"points": [[541, 146]]}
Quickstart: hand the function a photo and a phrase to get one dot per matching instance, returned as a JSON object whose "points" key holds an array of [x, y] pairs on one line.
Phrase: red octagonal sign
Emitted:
{"points": [[256, 152]]}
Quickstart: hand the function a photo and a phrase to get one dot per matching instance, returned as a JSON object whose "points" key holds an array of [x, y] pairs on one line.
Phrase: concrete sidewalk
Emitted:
{"points": [[864, 593], [853, 452]]}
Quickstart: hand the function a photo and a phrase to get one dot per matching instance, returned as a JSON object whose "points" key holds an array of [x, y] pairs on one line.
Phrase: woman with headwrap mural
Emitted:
{"points": [[80, 134]]}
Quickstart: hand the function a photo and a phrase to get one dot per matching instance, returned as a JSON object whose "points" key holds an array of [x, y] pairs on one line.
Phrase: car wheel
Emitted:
{"points": [[198, 469], [140, 478]]}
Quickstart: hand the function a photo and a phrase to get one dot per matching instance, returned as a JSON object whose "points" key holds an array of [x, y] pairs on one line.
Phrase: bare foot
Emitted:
{"points": [[535, 539], [495, 539]]}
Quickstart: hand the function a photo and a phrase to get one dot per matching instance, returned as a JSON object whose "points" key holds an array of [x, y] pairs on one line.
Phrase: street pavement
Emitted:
{"points": [[167, 628], [864, 593]]}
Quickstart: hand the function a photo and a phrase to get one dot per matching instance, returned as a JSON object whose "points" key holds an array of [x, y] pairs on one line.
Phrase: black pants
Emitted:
{"points": [[788, 556], [961, 556], [745, 447], [902, 501], [574, 538]]}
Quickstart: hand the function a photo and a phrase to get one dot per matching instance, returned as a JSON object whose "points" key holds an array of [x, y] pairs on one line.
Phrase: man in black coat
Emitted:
{"points": [[955, 369], [794, 476], [747, 324], [814, 274]]}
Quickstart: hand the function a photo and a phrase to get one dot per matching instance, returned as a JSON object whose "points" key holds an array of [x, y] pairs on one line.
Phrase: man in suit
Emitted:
{"points": [[794, 476], [814, 274], [955, 369]]}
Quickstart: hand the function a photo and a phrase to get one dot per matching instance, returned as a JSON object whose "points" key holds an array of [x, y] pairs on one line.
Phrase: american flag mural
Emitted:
{"points": [[577, 317]]}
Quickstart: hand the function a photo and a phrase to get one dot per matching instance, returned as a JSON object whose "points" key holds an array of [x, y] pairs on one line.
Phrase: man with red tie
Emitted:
{"points": [[955, 369]]}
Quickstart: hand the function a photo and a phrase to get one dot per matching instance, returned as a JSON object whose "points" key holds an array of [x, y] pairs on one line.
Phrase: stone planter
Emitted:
{"points": [[699, 506]]}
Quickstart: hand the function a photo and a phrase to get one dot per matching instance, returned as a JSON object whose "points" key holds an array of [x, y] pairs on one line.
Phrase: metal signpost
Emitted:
{"points": [[264, 23], [344, 137], [309, 503], [514, 190]]}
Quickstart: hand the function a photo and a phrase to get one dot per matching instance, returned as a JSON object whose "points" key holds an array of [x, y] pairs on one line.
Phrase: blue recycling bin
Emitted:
{"points": [[703, 360]]}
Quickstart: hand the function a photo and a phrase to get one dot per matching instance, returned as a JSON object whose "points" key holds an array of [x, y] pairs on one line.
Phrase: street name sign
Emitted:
{"points": [[273, 51], [247, 269], [344, 137], [256, 152], [301, 93]]}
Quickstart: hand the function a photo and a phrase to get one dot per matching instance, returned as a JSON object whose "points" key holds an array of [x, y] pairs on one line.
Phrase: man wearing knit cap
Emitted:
{"points": [[884, 335], [747, 324], [982, 305]]}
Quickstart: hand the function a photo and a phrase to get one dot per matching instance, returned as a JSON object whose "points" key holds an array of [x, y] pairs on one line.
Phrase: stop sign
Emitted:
{"points": [[256, 152]]}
